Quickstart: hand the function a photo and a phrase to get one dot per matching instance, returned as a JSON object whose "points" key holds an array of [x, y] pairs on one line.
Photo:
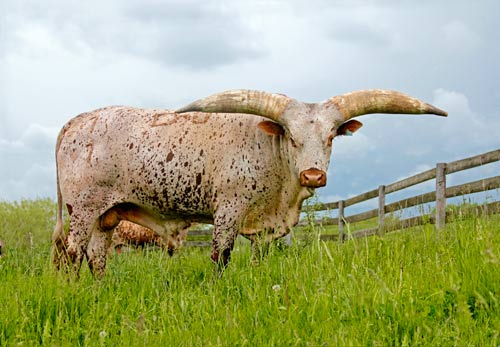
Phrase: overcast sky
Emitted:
{"points": [[62, 58]]}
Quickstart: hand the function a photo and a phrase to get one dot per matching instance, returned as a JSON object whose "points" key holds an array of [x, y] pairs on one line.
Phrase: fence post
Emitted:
{"points": [[341, 221], [440, 195], [381, 209]]}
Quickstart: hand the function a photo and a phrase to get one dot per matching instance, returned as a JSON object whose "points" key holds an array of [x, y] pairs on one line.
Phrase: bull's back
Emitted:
{"points": [[166, 161]]}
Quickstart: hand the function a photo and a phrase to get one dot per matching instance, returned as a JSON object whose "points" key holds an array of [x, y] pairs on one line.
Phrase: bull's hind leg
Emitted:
{"points": [[80, 229], [100, 240], [97, 250]]}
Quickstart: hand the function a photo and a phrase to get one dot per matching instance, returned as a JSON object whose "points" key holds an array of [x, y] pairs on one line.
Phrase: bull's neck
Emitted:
{"points": [[293, 194]]}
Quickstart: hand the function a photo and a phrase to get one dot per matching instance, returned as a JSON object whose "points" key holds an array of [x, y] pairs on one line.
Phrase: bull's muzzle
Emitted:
{"points": [[313, 178]]}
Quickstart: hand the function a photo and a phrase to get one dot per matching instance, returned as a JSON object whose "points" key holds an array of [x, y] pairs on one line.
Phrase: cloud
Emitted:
{"points": [[27, 165], [187, 34], [464, 127], [361, 26], [459, 36]]}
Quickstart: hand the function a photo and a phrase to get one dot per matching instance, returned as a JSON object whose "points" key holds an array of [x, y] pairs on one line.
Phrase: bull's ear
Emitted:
{"points": [[349, 127], [271, 128]]}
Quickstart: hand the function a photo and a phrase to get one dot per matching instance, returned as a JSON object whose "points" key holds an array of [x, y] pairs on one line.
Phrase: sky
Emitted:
{"points": [[61, 58]]}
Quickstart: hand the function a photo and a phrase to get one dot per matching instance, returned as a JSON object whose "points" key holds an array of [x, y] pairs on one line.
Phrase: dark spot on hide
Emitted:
{"points": [[198, 179], [170, 156], [131, 146]]}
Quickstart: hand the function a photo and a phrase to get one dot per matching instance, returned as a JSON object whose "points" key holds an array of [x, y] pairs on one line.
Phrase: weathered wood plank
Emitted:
{"points": [[473, 187], [469, 163], [410, 181], [362, 216], [363, 233], [327, 206], [362, 197], [410, 202]]}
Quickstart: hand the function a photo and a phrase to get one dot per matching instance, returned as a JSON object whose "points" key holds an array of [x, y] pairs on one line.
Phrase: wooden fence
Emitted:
{"points": [[440, 195]]}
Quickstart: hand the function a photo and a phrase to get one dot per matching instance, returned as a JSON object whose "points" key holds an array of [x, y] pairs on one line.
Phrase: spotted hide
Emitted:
{"points": [[241, 160]]}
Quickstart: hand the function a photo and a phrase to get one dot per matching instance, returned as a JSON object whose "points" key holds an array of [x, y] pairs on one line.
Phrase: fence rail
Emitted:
{"points": [[440, 195]]}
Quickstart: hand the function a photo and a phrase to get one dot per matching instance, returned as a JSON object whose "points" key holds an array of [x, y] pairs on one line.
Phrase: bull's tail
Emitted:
{"points": [[59, 237]]}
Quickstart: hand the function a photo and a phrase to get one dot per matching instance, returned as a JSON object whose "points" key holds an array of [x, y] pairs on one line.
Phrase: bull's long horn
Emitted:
{"points": [[380, 101], [256, 102]]}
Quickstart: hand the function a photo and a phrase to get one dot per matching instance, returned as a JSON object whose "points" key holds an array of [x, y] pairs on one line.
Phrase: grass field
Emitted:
{"points": [[413, 288]]}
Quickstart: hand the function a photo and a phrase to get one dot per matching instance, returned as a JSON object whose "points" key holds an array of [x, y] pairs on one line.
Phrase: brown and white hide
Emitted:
{"points": [[241, 160]]}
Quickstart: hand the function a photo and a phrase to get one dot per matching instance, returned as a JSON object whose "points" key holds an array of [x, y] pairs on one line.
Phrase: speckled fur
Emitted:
{"points": [[165, 170]]}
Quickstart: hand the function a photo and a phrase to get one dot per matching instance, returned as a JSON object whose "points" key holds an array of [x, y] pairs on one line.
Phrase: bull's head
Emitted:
{"points": [[309, 129]]}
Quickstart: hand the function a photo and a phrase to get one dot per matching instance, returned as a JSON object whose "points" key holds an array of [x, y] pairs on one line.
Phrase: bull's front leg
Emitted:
{"points": [[224, 235]]}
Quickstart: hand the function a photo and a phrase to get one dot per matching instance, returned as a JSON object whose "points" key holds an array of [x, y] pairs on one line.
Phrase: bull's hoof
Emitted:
{"points": [[221, 259]]}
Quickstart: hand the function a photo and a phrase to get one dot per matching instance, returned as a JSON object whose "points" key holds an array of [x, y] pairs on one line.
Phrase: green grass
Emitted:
{"points": [[415, 288]]}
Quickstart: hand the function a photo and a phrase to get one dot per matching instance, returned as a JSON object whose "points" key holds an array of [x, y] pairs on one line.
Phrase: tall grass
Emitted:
{"points": [[417, 288]]}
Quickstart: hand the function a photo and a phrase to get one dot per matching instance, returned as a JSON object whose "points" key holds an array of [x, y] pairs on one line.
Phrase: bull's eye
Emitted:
{"points": [[330, 139], [293, 142]]}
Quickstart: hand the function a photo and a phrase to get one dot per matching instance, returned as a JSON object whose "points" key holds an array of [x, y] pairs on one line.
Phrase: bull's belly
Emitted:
{"points": [[175, 205]]}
